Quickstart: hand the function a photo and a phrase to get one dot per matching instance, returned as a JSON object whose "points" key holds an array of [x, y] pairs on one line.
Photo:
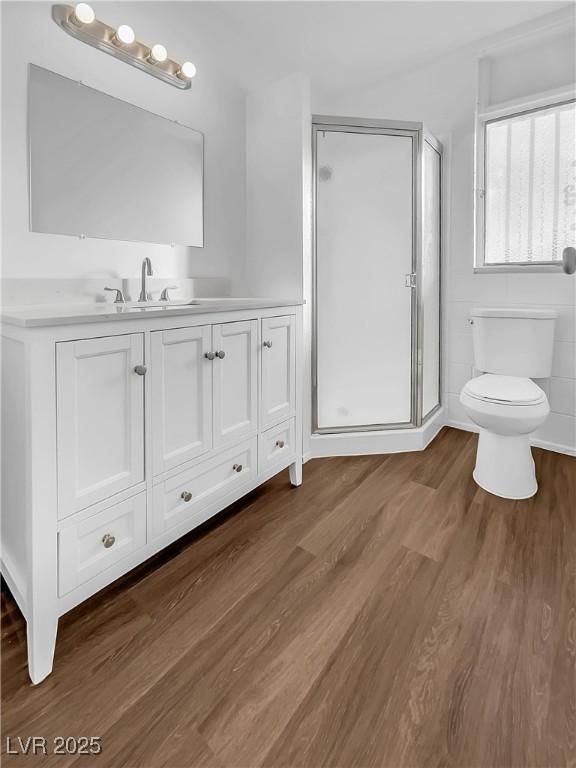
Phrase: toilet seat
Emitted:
{"points": [[504, 390]]}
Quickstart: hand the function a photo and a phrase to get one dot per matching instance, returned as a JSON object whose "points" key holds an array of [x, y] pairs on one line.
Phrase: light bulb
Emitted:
{"points": [[124, 35], [83, 14], [186, 71], [157, 54]]}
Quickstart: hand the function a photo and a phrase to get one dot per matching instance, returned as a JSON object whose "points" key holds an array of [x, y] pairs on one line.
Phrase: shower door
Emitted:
{"points": [[364, 340]]}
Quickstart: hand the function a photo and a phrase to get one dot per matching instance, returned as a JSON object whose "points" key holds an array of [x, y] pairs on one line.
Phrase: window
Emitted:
{"points": [[526, 212]]}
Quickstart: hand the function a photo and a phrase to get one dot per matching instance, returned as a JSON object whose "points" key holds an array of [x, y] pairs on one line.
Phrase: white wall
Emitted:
{"points": [[213, 105], [443, 96], [278, 203], [277, 145]]}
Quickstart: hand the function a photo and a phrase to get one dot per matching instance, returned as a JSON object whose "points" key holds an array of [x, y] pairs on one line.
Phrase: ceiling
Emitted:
{"points": [[340, 45]]}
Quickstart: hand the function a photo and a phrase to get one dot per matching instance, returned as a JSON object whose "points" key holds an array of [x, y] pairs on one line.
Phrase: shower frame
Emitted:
{"points": [[420, 135]]}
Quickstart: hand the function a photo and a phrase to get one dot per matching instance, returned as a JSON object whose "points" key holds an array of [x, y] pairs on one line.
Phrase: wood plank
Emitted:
{"points": [[192, 685], [337, 722], [329, 598], [447, 508], [435, 462]]}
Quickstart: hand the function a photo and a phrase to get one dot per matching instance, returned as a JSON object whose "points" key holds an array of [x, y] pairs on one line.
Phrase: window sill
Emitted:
{"points": [[514, 269]]}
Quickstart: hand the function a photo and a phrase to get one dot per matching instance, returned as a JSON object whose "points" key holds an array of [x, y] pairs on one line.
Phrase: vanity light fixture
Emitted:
{"points": [[82, 14], [158, 54], [124, 35], [80, 21], [187, 71]]}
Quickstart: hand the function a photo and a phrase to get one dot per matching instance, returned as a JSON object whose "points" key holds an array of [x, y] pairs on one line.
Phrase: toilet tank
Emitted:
{"points": [[513, 341]]}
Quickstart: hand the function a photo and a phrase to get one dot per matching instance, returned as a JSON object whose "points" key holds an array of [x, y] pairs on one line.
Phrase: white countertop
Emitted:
{"points": [[67, 314]]}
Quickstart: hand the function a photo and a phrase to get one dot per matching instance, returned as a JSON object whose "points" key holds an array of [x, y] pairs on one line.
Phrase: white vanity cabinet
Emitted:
{"points": [[123, 430]]}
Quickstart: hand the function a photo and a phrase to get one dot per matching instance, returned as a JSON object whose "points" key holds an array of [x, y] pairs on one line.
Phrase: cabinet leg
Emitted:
{"points": [[295, 470], [41, 639]]}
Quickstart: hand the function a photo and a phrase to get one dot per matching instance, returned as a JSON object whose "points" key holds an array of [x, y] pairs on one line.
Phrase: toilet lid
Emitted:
{"points": [[512, 390]]}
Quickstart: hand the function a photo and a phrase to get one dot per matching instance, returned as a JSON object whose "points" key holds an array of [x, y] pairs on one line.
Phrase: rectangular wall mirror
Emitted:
{"points": [[100, 167]]}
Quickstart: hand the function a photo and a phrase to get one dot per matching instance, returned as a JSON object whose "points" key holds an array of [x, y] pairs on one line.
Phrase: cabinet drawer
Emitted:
{"points": [[276, 446], [184, 497], [98, 542]]}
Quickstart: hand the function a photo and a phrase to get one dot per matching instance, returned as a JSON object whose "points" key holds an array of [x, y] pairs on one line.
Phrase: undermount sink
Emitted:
{"points": [[159, 304]]}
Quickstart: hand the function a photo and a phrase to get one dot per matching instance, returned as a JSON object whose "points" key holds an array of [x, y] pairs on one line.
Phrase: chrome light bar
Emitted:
{"points": [[80, 22]]}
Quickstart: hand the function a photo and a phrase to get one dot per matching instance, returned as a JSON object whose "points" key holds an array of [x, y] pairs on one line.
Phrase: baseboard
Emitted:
{"points": [[463, 425], [386, 441], [556, 447], [401, 440], [432, 427], [545, 444]]}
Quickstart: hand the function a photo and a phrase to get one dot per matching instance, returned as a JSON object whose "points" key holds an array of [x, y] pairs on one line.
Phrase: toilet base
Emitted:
{"points": [[504, 465]]}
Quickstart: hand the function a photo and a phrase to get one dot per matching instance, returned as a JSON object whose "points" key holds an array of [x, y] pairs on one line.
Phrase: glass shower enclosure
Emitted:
{"points": [[376, 274]]}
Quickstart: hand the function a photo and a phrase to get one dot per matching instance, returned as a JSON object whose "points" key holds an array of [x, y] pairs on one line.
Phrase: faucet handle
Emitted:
{"points": [[119, 295], [164, 296]]}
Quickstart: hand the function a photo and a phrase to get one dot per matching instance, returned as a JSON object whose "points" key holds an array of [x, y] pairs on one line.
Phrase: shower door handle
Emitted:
{"points": [[410, 280]]}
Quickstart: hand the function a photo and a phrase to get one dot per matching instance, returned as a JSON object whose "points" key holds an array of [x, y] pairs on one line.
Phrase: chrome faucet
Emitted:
{"points": [[146, 270]]}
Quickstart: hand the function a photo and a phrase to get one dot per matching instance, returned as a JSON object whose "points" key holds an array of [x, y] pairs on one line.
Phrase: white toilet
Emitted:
{"points": [[511, 347]]}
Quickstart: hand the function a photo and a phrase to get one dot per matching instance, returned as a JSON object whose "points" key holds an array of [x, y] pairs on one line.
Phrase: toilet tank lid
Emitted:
{"points": [[535, 313]]}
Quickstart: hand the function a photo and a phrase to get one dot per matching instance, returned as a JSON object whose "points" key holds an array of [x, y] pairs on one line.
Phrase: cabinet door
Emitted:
{"points": [[100, 419], [278, 370], [181, 396], [235, 383]]}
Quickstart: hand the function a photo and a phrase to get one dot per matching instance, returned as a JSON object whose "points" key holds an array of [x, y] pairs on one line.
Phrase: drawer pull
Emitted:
{"points": [[186, 495], [279, 443], [237, 467], [140, 370], [108, 540], [268, 344], [209, 355], [221, 354]]}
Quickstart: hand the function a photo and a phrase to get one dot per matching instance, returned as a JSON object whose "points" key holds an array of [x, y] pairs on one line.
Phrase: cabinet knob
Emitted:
{"points": [[221, 354], [237, 467], [279, 443], [267, 344], [140, 370], [108, 540], [209, 355], [186, 495]]}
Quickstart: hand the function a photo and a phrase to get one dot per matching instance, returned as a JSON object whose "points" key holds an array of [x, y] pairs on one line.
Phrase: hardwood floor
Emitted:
{"points": [[386, 613]]}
